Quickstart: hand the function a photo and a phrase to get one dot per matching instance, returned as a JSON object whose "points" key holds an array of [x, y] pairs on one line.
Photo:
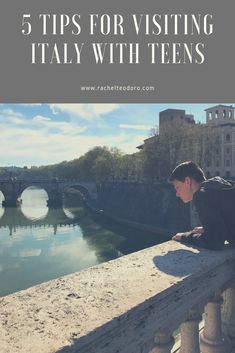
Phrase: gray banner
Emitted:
{"points": [[122, 51]]}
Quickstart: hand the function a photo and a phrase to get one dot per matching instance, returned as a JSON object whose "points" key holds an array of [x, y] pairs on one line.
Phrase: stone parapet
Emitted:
{"points": [[129, 305]]}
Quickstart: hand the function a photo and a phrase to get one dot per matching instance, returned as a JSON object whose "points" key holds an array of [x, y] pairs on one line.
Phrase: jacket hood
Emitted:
{"points": [[217, 183]]}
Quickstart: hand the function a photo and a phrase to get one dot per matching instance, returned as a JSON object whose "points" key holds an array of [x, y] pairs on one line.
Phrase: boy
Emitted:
{"points": [[214, 200]]}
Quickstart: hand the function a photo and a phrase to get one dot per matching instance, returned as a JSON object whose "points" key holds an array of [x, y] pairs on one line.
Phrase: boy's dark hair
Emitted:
{"points": [[187, 169]]}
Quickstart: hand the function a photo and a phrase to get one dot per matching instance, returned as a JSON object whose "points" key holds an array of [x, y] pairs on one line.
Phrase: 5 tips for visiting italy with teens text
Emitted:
{"points": [[99, 101], [153, 52]]}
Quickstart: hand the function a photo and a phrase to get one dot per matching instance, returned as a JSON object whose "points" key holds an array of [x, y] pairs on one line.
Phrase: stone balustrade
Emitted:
{"points": [[133, 304]]}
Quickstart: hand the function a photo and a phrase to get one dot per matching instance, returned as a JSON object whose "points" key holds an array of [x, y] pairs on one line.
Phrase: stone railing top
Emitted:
{"points": [[115, 306]]}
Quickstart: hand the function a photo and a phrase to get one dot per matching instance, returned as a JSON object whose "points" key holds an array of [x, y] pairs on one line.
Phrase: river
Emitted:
{"points": [[38, 244]]}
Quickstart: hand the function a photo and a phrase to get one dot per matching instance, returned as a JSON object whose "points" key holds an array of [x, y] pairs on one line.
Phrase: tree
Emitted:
{"points": [[177, 143]]}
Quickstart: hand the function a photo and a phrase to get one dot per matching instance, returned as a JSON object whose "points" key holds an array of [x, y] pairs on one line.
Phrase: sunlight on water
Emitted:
{"points": [[38, 243]]}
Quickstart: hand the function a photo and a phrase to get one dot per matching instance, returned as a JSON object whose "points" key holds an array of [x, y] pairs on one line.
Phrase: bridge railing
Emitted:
{"points": [[133, 304]]}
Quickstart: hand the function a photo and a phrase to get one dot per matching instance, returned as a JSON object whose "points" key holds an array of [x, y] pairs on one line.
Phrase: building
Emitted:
{"points": [[211, 144], [222, 119], [170, 116]]}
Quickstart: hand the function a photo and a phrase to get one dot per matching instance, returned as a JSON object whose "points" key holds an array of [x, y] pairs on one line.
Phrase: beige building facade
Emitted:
{"points": [[215, 144], [222, 119], [210, 144]]}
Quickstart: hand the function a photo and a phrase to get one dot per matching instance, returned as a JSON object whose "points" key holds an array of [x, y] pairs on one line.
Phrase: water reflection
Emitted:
{"points": [[14, 218], [43, 244]]}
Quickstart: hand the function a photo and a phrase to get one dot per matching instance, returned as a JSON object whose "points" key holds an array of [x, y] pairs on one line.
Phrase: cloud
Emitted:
{"points": [[8, 117], [41, 118], [14, 124], [40, 140], [39, 146], [10, 113], [31, 104], [57, 126], [84, 111], [135, 127]]}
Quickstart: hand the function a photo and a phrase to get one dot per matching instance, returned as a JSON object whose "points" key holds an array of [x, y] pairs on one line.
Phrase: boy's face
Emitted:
{"points": [[184, 189]]}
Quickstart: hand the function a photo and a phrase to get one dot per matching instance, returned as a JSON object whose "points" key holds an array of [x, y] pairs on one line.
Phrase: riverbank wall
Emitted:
{"points": [[154, 206], [150, 207]]}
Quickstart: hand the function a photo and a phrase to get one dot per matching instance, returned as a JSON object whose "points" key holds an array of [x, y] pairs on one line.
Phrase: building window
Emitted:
{"points": [[228, 150], [208, 174], [217, 173], [210, 115], [227, 174], [216, 114], [228, 163], [217, 164], [224, 113], [228, 138], [217, 139]]}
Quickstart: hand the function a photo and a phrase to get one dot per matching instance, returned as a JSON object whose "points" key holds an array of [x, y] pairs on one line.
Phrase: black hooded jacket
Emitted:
{"points": [[215, 204]]}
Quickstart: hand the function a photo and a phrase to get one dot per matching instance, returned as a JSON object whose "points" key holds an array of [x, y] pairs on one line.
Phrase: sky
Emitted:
{"points": [[42, 134]]}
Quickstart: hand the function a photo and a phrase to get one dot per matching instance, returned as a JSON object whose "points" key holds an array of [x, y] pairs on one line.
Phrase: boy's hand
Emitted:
{"points": [[199, 230], [177, 237]]}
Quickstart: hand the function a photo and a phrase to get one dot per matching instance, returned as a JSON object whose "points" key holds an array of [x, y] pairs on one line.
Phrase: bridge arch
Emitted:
{"points": [[1, 196], [34, 203], [1, 208], [88, 189], [33, 187], [11, 192], [82, 189]]}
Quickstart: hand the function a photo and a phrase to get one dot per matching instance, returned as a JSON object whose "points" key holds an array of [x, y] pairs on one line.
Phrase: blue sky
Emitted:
{"points": [[40, 134]]}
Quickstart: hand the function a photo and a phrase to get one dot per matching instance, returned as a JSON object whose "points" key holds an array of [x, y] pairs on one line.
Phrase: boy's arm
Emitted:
{"points": [[214, 233], [196, 230]]}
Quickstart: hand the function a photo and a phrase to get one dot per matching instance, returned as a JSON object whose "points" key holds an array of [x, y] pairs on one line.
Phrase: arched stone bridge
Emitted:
{"points": [[13, 188]]}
